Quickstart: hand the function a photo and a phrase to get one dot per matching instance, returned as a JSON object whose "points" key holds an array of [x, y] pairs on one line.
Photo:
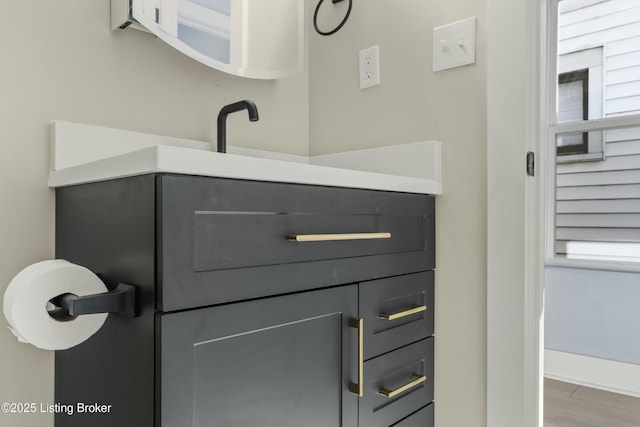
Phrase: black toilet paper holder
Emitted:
{"points": [[121, 300]]}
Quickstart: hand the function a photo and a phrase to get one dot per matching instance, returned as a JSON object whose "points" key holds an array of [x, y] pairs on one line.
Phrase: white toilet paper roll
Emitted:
{"points": [[26, 298]]}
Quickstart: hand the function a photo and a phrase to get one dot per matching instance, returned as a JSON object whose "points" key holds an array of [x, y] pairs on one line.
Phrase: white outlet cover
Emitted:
{"points": [[454, 44], [369, 60]]}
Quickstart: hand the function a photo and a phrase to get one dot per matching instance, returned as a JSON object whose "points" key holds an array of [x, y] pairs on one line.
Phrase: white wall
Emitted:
{"points": [[60, 61], [593, 313], [414, 104], [513, 309]]}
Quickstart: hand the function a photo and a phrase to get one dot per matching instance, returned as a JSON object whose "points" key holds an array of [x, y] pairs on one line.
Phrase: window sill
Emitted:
{"points": [[631, 267], [575, 158]]}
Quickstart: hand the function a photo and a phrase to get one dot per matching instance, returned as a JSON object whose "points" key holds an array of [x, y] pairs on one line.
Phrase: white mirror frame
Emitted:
{"points": [[256, 50]]}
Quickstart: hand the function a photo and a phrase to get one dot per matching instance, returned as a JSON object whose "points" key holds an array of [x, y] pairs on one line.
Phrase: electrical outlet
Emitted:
{"points": [[369, 67]]}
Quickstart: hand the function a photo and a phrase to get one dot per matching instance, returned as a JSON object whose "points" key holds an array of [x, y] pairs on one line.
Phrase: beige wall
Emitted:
{"points": [[414, 104], [60, 61]]}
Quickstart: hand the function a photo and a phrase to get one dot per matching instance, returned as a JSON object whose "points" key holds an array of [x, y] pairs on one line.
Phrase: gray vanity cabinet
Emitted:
{"points": [[244, 319]]}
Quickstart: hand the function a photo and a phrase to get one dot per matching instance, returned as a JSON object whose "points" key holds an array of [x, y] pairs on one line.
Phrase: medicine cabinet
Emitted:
{"points": [[249, 38]]}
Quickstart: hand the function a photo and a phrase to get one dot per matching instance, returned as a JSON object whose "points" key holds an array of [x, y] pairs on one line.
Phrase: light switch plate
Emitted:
{"points": [[454, 44]]}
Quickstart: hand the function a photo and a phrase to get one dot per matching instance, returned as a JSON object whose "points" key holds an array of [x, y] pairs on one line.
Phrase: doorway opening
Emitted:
{"points": [[592, 266]]}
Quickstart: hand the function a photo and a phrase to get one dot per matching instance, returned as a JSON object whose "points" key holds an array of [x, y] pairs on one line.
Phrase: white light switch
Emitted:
{"points": [[454, 44]]}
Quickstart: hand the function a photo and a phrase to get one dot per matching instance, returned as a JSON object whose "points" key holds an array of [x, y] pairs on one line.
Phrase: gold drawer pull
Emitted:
{"points": [[418, 379], [394, 316], [334, 237], [358, 389]]}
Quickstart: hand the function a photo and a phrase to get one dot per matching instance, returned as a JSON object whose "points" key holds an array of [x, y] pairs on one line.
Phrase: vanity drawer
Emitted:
{"points": [[224, 240], [396, 311], [422, 418], [397, 384]]}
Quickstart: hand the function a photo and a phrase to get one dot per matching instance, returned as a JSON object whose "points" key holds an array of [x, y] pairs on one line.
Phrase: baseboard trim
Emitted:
{"points": [[603, 374]]}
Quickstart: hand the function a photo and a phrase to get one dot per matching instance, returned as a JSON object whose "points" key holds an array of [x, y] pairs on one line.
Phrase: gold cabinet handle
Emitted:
{"points": [[394, 316], [334, 237], [417, 379], [358, 389]]}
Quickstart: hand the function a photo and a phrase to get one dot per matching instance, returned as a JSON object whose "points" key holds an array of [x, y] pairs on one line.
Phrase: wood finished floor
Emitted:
{"points": [[570, 405]]}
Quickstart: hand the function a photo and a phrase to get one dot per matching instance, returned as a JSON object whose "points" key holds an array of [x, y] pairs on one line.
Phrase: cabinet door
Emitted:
{"points": [[277, 362]]}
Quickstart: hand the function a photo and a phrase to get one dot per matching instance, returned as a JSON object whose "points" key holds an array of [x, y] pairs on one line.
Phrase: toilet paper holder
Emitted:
{"points": [[121, 300]]}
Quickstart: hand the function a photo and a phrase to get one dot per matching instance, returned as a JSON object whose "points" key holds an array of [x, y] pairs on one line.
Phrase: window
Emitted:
{"points": [[595, 132]]}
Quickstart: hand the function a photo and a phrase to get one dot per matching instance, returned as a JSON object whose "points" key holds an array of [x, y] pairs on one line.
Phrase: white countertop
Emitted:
{"points": [[79, 155]]}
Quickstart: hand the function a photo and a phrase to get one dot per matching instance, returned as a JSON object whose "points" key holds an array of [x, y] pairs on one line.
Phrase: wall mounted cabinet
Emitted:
{"points": [[246, 321], [248, 38]]}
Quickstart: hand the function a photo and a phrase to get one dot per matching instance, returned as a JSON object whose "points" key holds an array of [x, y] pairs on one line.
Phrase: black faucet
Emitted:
{"points": [[222, 119]]}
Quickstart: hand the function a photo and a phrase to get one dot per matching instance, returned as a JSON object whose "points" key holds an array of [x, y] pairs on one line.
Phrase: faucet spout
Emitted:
{"points": [[246, 104]]}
